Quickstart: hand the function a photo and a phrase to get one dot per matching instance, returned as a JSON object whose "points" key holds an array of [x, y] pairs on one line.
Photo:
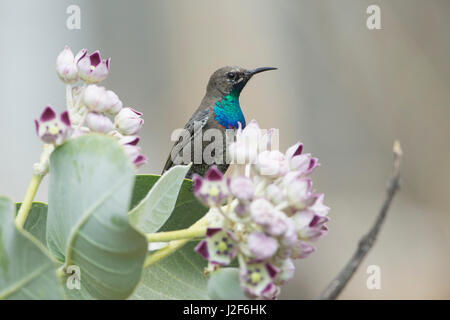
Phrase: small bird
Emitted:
{"points": [[219, 109]]}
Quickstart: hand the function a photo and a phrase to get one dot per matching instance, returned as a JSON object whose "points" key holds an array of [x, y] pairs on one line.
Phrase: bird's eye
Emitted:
{"points": [[231, 75]]}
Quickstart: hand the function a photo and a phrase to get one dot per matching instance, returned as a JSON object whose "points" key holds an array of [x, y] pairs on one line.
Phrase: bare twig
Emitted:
{"points": [[367, 241]]}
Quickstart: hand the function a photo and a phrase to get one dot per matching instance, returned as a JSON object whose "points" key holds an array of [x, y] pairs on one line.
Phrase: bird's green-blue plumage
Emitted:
{"points": [[228, 113]]}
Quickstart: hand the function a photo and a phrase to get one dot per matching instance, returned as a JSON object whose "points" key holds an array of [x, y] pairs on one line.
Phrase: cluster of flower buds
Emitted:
{"points": [[268, 217], [90, 107]]}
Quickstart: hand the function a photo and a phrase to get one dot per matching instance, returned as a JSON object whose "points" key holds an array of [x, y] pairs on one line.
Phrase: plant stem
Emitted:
{"points": [[69, 97], [173, 246], [177, 235], [29, 196], [60, 272], [164, 252]]}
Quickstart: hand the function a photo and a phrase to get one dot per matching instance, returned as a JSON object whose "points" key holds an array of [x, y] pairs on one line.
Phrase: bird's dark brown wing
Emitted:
{"points": [[194, 126]]}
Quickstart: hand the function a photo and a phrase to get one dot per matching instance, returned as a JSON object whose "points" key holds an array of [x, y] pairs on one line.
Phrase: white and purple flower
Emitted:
{"points": [[52, 129], [213, 189], [92, 68], [219, 247], [257, 279]]}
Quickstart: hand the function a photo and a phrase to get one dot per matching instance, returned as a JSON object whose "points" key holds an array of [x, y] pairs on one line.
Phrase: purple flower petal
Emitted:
{"points": [[213, 174], [95, 58], [130, 140], [197, 181], [271, 270], [299, 150], [140, 160], [137, 112], [202, 249], [48, 114], [65, 118], [212, 231], [302, 250], [80, 55]]}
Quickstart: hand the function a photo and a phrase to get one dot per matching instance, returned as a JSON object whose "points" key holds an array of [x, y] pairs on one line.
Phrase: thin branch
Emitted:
{"points": [[367, 241]]}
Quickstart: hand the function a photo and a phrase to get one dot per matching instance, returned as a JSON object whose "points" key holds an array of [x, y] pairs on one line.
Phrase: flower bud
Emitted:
{"points": [[242, 188], [99, 123], [262, 246], [287, 270], [275, 194], [301, 250], [310, 226], [79, 131], [245, 149], [91, 98], [111, 102], [66, 67], [128, 121], [129, 140], [318, 207], [298, 193], [99, 99], [262, 211], [294, 150], [271, 164], [134, 152], [140, 160]]}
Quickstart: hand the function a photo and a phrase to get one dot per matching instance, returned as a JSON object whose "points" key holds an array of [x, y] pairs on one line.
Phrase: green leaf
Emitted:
{"points": [[87, 225], [36, 222], [223, 284], [142, 185], [154, 210], [179, 276], [26, 269]]}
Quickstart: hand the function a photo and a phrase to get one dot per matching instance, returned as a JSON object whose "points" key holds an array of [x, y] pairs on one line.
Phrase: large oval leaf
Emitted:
{"points": [[224, 284], [36, 222], [26, 269], [87, 225], [155, 208], [179, 276]]}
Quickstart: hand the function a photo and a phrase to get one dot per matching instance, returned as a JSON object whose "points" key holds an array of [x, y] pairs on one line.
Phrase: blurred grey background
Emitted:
{"points": [[345, 91]]}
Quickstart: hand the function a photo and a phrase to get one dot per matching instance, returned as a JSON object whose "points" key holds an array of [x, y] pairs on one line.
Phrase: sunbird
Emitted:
{"points": [[219, 109]]}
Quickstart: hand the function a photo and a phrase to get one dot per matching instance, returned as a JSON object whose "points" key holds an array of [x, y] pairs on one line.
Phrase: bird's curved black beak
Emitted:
{"points": [[258, 70]]}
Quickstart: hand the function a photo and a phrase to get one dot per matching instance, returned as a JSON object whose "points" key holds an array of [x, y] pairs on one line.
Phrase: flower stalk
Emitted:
{"points": [[177, 235], [27, 202], [174, 245]]}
